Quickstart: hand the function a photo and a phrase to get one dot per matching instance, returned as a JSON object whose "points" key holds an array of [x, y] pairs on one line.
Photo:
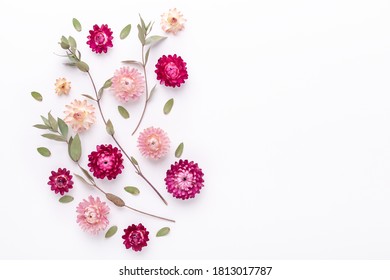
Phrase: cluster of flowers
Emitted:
{"points": [[183, 180]]}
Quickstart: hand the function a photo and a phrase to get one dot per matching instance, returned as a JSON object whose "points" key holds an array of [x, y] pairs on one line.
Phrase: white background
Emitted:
{"points": [[286, 110]]}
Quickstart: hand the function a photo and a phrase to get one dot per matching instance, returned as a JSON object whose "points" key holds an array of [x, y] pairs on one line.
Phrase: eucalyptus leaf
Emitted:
{"points": [[37, 96], [65, 46], [76, 24], [124, 113], [125, 31], [164, 231], [44, 151], [141, 34], [89, 97], [100, 93], [133, 160], [41, 126], [110, 128], [63, 127], [72, 42], [152, 91], [132, 62], [179, 150], [53, 122], [142, 22], [69, 143], [111, 231], [54, 137], [132, 190], [154, 39], [107, 83], [66, 199], [82, 66], [45, 121], [168, 106], [147, 56], [75, 148], [86, 173], [82, 179]]}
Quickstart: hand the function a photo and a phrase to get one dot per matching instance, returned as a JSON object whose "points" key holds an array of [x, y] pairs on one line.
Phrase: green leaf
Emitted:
{"points": [[75, 148], [54, 137], [53, 122], [142, 22], [82, 66], [111, 231], [141, 34], [36, 95], [147, 55], [179, 150], [107, 83], [110, 128], [89, 97], [124, 113], [154, 39], [76, 24], [64, 43], [69, 143], [41, 126], [133, 160], [86, 173], [132, 62], [168, 106], [72, 42], [82, 179], [66, 199], [152, 91], [125, 31], [100, 93], [164, 231], [45, 121], [44, 151], [63, 127], [132, 190]]}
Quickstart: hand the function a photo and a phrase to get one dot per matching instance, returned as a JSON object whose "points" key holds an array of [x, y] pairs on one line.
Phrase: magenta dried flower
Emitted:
{"points": [[106, 161], [171, 70], [100, 38], [135, 237], [60, 181]]}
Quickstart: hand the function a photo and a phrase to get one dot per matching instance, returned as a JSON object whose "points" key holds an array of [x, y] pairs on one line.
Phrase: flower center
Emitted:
{"points": [[100, 38], [171, 70], [79, 116], [172, 20], [153, 143], [61, 182], [135, 238], [105, 162], [127, 83], [91, 215], [184, 180]]}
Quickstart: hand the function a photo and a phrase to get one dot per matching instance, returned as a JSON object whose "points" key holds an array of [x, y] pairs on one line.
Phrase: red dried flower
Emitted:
{"points": [[100, 38], [106, 161], [135, 237], [60, 181], [184, 180], [171, 70]]}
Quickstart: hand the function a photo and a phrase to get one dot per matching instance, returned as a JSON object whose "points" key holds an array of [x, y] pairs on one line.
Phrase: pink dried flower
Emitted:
{"points": [[100, 38], [106, 161], [184, 180], [153, 143], [92, 215], [135, 237], [172, 21], [62, 86], [60, 181], [128, 83], [171, 70], [80, 115]]}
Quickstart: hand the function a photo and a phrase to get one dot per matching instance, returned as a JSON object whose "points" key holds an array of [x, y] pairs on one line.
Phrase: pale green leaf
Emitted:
{"points": [[133, 160], [124, 113], [36, 95], [168, 106], [76, 24], [147, 56], [72, 42], [141, 34], [164, 231], [86, 173], [66, 199], [154, 39], [63, 127], [89, 97], [41, 126], [54, 137], [111, 231], [132, 62], [152, 91], [132, 190], [107, 83], [45, 121], [125, 31], [82, 179], [44, 151], [53, 122], [75, 148], [179, 150], [82, 66], [110, 128]]}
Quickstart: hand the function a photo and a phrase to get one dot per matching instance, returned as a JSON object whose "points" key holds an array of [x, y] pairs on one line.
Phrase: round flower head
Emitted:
{"points": [[106, 161], [100, 38], [92, 215], [127, 83], [184, 180], [60, 181], [171, 70], [172, 21], [153, 143], [135, 237], [80, 115], [62, 86]]}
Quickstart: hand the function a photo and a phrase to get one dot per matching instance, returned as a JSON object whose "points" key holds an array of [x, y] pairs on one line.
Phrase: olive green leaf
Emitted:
{"points": [[66, 199], [82, 66], [111, 231], [147, 56], [75, 148], [76, 24], [132, 62], [125, 32], [168, 106], [53, 122], [154, 39], [64, 43], [54, 137], [179, 150], [82, 179], [164, 231], [36, 95], [132, 190], [110, 128], [41, 126], [45, 121], [124, 113], [107, 83], [44, 151], [142, 22], [89, 97], [133, 160], [63, 127], [152, 91], [86, 173], [72, 42], [141, 34]]}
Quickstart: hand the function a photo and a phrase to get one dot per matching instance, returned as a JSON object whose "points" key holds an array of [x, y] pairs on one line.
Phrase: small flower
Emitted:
{"points": [[92, 215], [100, 38], [172, 21], [80, 115], [60, 181], [128, 84], [171, 70], [62, 86], [153, 143], [184, 180], [135, 237], [106, 162]]}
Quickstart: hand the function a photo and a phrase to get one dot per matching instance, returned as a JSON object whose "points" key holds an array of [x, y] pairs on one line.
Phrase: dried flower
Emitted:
{"points": [[106, 161], [128, 83], [153, 143], [80, 115], [171, 70], [184, 180], [60, 181], [92, 215], [100, 38], [172, 21], [62, 86], [135, 237]]}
